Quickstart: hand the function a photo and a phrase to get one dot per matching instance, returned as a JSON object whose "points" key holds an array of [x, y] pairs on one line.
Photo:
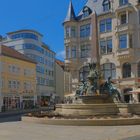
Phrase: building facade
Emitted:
{"points": [[59, 69], [29, 43], [118, 38], [17, 80]]}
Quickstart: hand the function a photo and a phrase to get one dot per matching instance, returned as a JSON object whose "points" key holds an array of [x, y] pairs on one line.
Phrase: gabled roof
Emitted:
{"points": [[6, 51], [96, 7], [70, 14]]}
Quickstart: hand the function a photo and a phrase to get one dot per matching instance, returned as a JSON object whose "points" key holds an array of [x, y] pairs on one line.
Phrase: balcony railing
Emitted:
{"points": [[124, 27]]}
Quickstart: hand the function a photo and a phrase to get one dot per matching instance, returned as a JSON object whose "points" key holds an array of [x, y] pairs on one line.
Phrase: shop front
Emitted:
{"points": [[28, 102], [11, 103], [45, 101]]}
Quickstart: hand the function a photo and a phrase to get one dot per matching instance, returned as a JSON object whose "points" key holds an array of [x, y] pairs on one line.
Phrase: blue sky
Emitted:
{"points": [[45, 16]]}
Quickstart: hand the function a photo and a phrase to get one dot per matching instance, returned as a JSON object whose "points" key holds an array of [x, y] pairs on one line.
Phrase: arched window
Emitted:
{"points": [[106, 5], [108, 70], [83, 73], [126, 69], [139, 69]]}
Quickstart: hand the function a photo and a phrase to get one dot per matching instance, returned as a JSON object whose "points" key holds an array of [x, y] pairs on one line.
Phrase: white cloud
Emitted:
{"points": [[61, 55]]}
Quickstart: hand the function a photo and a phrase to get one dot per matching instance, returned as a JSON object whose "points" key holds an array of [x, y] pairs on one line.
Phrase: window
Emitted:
{"points": [[33, 47], [126, 69], [139, 69], [106, 46], [85, 51], [68, 52], [73, 52], [25, 36], [106, 25], [86, 11], [123, 2], [130, 41], [108, 70], [40, 69], [123, 41], [85, 31], [73, 31], [106, 5], [83, 73], [123, 19], [67, 32], [103, 47], [139, 16]]}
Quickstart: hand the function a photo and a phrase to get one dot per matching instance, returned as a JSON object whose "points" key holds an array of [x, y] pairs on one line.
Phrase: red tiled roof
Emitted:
{"points": [[61, 63], [6, 51]]}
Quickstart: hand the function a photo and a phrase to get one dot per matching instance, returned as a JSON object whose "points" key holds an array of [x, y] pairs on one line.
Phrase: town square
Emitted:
{"points": [[70, 70]]}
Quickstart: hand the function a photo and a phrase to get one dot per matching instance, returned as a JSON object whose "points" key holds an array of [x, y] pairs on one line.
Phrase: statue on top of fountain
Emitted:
{"points": [[90, 86], [93, 87], [92, 80]]}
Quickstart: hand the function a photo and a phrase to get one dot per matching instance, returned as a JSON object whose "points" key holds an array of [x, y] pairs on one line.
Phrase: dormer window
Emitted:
{"points": [[106, 5], [86, 11], [123, 2]]}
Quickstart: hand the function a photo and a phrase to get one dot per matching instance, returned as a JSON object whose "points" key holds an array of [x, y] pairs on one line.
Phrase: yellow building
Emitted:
{"points": [[18, 80]]}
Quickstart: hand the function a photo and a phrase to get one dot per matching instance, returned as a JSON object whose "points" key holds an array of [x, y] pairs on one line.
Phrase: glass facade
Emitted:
{"points": [[24, 36], [33, 47]]}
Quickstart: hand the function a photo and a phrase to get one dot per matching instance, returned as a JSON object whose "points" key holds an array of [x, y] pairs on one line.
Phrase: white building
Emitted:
{"points": [[29, 42]]}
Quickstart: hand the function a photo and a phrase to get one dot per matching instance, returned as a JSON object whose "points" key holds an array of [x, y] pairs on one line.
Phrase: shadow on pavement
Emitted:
{"points": [[13, 118], [132, 138]]}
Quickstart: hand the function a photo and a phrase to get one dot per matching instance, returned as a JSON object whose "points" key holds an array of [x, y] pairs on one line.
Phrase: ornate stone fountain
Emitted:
{"points": [[97, 102]]}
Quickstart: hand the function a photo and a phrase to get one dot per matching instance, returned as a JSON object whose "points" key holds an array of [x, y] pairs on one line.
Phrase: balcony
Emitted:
{"points": [[124, 27], [125, 54], [125, 7], [70, 39]]}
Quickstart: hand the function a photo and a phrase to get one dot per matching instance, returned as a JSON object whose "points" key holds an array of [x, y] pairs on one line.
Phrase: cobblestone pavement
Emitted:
{"points": [[30, 131]]}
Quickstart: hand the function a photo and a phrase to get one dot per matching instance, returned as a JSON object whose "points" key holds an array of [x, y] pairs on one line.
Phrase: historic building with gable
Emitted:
{"points": [[107, 31]]}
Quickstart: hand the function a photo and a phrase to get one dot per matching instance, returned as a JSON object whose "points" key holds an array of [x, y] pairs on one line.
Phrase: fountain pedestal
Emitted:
{"points": [[94, 99]]}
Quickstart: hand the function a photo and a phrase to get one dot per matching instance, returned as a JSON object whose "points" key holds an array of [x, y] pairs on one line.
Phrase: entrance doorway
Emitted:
{"points": [[139, 97]]}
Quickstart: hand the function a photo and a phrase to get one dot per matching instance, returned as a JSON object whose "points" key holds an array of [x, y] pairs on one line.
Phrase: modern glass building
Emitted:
{"points": [[29, 43]]}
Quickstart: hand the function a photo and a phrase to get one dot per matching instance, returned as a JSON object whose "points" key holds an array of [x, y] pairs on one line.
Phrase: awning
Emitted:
{"points": [[137, 91]]}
